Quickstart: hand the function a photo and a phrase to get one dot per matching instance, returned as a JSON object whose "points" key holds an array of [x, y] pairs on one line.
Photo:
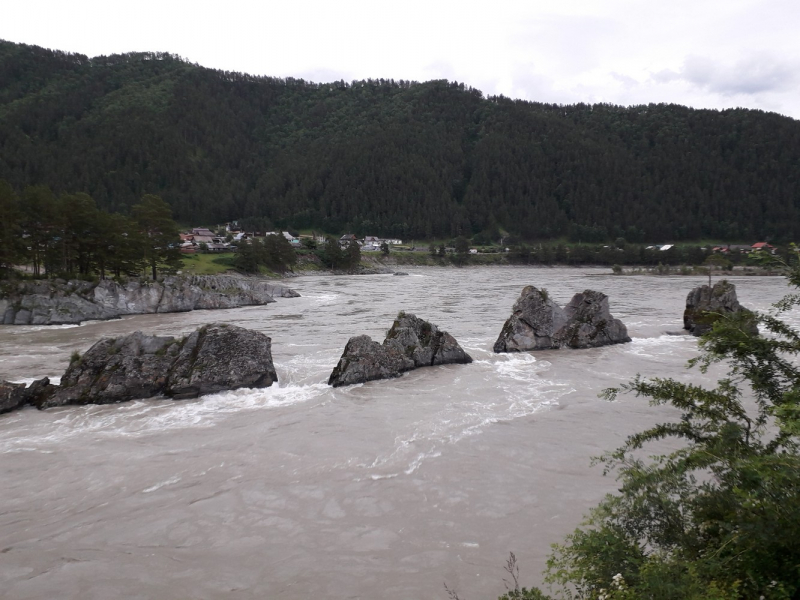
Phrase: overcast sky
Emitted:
{"points": [[701, 53]]}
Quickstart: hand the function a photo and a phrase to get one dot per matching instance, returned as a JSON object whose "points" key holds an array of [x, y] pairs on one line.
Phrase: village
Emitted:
{"points": [[228, 236]]}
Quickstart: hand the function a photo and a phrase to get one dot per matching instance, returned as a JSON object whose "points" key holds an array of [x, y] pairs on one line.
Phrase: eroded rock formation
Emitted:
{"points": [[704, 305], [56, 302], [214, 358], [538, 323], [409, 344]]}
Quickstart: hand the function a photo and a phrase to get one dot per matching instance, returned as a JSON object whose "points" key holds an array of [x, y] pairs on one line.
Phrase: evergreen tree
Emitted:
{"points": [[158, 234], [352, 256], [11, 242]]}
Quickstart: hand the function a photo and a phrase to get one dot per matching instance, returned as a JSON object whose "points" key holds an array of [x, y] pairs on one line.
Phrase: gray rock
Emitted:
{"points": [[16, 395], [409, 344], [215, 358], [590, 324], [67, 302], [219, 358], [705, 305], [533, 324], [398, 273], [365, 360], [538, 323], [12, 396]]}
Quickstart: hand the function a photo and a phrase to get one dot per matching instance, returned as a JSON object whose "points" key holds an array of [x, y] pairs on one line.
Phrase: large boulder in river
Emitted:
{"points": [[216, 357], [590, 324], [705, 305], [221, 357], [409, 344], [538, 323], [533, 324]]}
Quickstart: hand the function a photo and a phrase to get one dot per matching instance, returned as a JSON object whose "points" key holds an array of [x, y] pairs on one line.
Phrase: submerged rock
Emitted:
{"points": [[55, 302], [538, 323], [705, 305], [409, 344], [214, 358]]}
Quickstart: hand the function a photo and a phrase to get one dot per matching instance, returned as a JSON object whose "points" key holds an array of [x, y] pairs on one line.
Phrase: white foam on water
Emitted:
{"points": [[663, 345], [326, 298], [143, 417], [162, 484], [470, 410]]}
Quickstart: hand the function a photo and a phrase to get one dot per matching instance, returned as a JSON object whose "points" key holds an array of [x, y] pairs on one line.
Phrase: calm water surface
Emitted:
{"points": [[383, 490]]}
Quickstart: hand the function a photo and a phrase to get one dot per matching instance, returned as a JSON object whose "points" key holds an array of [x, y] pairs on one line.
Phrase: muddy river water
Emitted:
{"points": [[382, 490]]}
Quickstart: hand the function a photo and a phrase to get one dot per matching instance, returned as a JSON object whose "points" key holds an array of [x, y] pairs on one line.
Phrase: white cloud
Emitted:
{"points": [[712, 53]]}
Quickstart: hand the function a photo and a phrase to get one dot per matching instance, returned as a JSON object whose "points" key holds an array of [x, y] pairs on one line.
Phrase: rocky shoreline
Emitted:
{"points": [[59, 302]]}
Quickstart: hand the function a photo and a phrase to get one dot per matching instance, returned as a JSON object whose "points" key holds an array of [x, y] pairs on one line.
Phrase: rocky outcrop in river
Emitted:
{"points": [[57, 302], [705, 305], [214, 358], [538, 323], [409, 344]]}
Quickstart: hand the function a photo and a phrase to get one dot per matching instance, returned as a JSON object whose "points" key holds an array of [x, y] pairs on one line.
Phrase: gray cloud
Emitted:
{"points": [[749, 76]]}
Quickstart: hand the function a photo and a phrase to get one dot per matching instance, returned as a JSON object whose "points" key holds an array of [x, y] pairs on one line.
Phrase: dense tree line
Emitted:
{"points": [[67, 235], [395, 158], [273, 252]]}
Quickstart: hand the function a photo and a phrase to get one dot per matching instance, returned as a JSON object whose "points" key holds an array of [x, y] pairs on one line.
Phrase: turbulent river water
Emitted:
{"points": [[382, 490]]}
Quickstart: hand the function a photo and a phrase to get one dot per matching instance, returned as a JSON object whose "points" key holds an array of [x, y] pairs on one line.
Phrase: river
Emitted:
{"points": [[382, 490]]}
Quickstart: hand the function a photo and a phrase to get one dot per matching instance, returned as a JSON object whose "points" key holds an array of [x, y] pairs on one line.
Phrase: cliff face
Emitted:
{"points": [[60, 302]]}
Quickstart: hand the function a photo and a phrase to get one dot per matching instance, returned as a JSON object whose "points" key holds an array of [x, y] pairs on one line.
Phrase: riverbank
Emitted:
{"points": [[60, 302], [373, 263]]}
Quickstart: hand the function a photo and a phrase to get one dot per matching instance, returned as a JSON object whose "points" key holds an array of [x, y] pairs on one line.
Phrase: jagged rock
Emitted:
{"points": [[12, 396], [216, 357], [590, 324], [533, 324], [365, 360], [16, 395], [409, 344], [39, 392], [56, 302], [219, 358], [538, 323], [704, 305]]}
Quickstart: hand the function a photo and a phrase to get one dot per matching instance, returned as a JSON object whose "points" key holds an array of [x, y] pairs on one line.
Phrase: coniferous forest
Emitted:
{"points": [[384, 157]]}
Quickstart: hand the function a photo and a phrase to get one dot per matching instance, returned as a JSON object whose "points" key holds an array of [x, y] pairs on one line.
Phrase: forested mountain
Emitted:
{"points": [[411, 160]]}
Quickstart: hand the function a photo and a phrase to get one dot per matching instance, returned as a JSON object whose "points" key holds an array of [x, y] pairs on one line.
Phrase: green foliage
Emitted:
{"points": [[426, 160], [716, 518], [158, 234]]}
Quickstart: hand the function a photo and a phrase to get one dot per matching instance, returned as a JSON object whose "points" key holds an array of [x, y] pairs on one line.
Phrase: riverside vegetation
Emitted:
{"points": [[715, 519]]}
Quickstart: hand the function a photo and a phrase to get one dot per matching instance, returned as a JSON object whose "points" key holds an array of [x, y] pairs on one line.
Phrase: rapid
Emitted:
{"points": [[382, 490]]}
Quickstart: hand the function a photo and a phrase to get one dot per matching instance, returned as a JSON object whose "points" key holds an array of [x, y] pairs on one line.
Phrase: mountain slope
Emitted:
{"points": [[385, 157]]}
